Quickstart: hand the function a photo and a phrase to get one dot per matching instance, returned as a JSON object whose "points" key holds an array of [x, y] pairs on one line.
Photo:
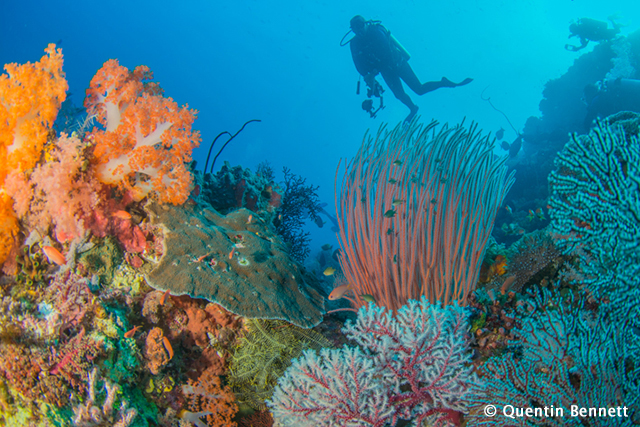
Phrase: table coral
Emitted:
{"points": [[239, 264]]}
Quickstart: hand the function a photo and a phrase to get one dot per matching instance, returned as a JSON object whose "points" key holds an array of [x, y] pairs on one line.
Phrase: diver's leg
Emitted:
{"points": [[393, 81], [407, 74]]}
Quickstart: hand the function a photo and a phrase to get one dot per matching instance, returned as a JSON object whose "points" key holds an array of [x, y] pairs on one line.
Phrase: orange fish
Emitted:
{"points": [[167, 346], [506, 284], [54, 255], [233, 251], [121, 215], [339, 292], [249, 219], [164, 297], [132, 332]]}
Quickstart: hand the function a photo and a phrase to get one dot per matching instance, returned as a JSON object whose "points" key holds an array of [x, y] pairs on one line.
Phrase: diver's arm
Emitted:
{"points": [[359, 59], [583, 43]]}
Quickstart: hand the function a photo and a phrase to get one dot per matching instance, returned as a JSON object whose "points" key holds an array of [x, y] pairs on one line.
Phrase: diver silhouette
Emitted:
{"points": [[375, 51], [587, 29]]}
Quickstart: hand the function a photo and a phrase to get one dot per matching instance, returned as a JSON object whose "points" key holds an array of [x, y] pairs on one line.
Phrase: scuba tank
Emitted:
{"points": [[396, 44]]}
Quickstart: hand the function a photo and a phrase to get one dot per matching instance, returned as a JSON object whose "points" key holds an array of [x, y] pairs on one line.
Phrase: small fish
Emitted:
{"points": [[397, 162], [249, 219], [390, 213], [392, 181], [506, 284], [196, 190], [164, 297], [505, 145], [397, 202], [368, 298], [336, 255], [167, 346], [132, 332], [327, 247], [540, 214], [339, 292], [233, 251], [121, 215], [54, 255], [389, 231], [500, 134], [318, 221], [531, 215], [329, 271], [508, 209], [395, 259], [433, 201], [363, 200]]}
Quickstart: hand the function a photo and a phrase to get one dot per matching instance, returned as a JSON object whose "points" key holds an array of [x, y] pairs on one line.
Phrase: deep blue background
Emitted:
{"points": [[280, 61]]}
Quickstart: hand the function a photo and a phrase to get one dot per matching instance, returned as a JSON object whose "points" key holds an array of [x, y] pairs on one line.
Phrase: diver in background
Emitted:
{"points": [[375, 50], [611, 97], [587, 29]]}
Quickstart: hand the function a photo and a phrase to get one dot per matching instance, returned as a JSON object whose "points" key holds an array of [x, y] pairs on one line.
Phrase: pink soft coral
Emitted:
{"points": [[147, 139], [60, 192]]}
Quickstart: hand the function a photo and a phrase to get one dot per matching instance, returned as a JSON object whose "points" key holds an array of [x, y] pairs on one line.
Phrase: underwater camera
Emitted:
{"points": [[376, 91]]}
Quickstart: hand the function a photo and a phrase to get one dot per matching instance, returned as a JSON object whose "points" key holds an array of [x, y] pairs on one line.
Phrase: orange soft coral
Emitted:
{"points": [[209, 397], [8, 226], [30, 97], [147, 140]]}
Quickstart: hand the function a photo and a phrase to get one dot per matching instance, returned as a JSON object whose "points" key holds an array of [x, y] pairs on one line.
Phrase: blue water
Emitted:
{"points": [[281, 62]]}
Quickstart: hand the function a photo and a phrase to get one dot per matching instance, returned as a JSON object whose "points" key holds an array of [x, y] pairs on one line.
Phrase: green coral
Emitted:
{"points": [[102, 259], [122, 361], [263, 354], [32, 267]]}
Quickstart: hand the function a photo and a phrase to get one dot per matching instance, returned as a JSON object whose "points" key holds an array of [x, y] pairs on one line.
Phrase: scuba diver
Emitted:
{"points": [[375, 51], [609, 97], [587, 29]]}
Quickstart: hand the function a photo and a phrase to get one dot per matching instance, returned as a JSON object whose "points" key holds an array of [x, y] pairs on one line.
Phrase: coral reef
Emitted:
{"points": [[234, 187], [236, 261], [90, 415], [136, 118], [299, 202], [209, 397], [563, 357], [414, 366], [531, 255], [595, 209], [263, 354]]}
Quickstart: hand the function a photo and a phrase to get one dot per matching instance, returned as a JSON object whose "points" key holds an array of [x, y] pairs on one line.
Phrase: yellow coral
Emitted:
{"points": [[263, 354]]}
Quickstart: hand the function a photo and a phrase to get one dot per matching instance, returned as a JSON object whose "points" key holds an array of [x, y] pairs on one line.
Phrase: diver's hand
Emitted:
{"points": [[370, 79]]}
